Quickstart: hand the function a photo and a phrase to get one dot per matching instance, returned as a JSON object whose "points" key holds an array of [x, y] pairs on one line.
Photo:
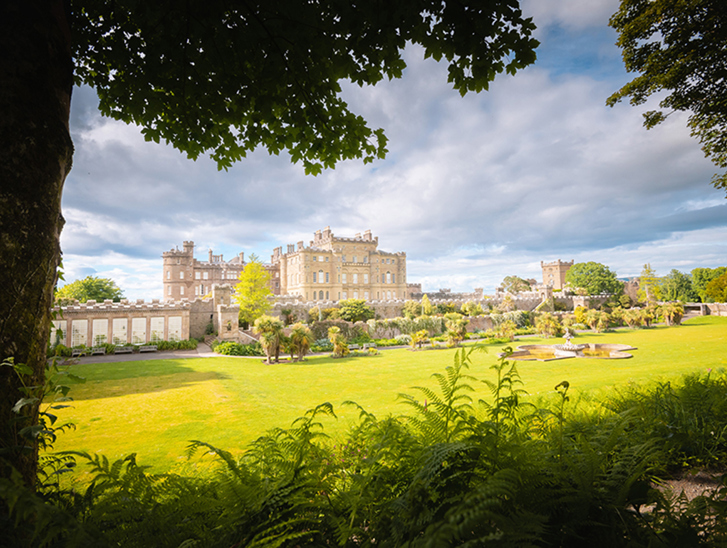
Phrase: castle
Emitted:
{"points": [[330, 268], [554, 273]]}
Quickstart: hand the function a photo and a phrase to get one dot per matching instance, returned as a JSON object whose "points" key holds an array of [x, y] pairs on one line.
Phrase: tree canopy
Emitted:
{"points": [[649, 285], [678, 47], [677, 286], [702, 276], [89, 288], [515, 284], [355, 310], [252, 292], [717, 289], [224, 78], [593, 278]]}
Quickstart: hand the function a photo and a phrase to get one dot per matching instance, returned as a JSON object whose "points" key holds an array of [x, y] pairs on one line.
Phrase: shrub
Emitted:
{"points": [[236, 349], [177, 345], [403, 339]]}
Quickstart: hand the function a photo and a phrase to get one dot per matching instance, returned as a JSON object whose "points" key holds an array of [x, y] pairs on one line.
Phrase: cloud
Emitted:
{"points": [[473, 188]]}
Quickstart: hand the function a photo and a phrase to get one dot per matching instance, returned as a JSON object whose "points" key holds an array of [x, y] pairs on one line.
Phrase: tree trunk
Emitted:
{"points": [[36, 72]]}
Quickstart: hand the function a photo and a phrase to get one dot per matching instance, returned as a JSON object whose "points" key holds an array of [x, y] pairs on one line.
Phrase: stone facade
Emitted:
{"points": [[333, 268], [554, 273], [139, 322], [184, 277]]}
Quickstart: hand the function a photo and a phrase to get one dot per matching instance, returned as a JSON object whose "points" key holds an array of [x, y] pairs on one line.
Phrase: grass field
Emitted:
{"points": [[155, 407]]}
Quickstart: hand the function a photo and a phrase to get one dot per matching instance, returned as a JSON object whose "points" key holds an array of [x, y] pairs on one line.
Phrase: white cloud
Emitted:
{"points": [[473, 188]]}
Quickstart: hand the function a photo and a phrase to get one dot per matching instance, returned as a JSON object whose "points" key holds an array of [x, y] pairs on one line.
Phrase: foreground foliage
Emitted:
{"points": [[471, 464]]}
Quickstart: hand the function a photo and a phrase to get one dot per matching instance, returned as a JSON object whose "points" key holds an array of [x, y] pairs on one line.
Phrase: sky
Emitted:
{"points": [[473, 189]]}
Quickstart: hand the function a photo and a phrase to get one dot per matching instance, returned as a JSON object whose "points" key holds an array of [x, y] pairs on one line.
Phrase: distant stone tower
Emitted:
{"points": [[177, 273], [554, 273]]}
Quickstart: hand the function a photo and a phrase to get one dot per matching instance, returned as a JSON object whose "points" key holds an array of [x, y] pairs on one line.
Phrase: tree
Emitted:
{"points": [[649, 285], [355, 310], [472, 309], [340, 346], [594, 278], [89, 288], [702, 276], [548, 325], [412, 309], [426, 306], [419, 338], [677, 286], [681, 48], [456, 330], [717, 289], [270, 330], [301, 339], [672, 313], [219, 78], [507, 304], [515, 285], [252, 292]]}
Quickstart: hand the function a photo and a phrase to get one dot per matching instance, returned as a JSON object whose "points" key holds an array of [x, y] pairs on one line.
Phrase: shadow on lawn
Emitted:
{"points": [[110, 380]]}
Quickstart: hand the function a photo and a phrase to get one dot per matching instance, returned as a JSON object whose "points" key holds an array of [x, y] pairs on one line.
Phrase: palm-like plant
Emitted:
{"points": [[548, 325], [301, 339], [270, 330], [340, 346], [672, 313]]}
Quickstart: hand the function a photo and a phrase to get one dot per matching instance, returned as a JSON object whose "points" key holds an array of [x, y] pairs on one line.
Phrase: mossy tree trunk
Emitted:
{"points": [[36, 76]]}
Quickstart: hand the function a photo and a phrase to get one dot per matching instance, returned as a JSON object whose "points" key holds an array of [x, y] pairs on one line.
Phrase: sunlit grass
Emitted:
{"points": [[155, 407]]}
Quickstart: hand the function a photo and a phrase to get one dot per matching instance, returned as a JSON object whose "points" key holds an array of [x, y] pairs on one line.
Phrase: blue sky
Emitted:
{"points": [[473, 189]]}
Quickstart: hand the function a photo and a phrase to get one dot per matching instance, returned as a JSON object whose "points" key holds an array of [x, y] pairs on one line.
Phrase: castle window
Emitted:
{"points": [[315, 258], [388, 277], [320, 295], [355, 294], [366, 295], [326, 277], [366, 278], [181, 275], [355, 278], [344, 278], [326, 259], [169, 275], [181, 290], [320, 277], [321, 258], [196, 275], [345, 295], [354, 258], [206, 275], [365, 259], [314, 278], [393, 278], [388, 295], [196, 290], [326, 295], [169, 290]]}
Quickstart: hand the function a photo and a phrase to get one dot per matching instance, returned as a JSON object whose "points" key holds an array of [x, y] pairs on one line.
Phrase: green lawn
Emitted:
{"points": [[155, 407]]}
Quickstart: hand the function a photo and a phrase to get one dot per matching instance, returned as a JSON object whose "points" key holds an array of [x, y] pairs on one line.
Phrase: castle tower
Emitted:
{"points": [[177, 276], [554, 273]]}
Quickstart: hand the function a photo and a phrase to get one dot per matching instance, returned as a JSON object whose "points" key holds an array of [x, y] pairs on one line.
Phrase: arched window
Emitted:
{"points": [[320, 295], [388, 277]]}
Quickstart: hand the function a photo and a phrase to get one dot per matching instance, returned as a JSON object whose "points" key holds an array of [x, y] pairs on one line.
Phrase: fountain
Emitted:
{"points": [[544, 352]]}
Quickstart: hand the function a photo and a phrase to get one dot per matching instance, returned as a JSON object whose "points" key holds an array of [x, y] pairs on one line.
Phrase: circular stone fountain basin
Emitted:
{"points": [[545, 352]]}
